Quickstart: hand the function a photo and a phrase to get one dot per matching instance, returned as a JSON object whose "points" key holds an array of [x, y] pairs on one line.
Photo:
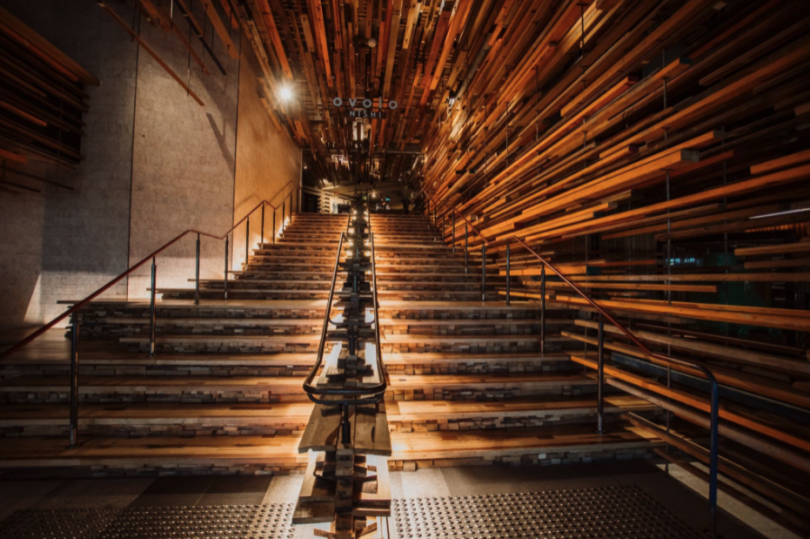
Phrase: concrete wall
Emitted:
{"points": [[183, 169], [268, 163], [156, 163], [65, 244]]}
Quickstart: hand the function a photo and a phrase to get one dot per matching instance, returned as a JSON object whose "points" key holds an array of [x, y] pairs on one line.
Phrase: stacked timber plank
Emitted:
{"points": [[660, 163]]}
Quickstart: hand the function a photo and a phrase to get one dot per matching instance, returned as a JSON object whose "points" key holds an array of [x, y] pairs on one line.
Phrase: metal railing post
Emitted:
{"points": [[152, 313], [247, 241], [283, 215], [225, 282], [713, 450], [600, 377], [275, 230], [197, 275], [484, 272], [454, 232], [466, 250], [508, 259], [74, 382], [543, 310], [261, 245]]}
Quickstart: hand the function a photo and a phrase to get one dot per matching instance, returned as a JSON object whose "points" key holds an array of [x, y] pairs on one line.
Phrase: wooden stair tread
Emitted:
{"points": [[154, 413], [417, 381], [423, 410], [515, 442], [470, 338], [52, 452], [284, 338], [293, 384]]}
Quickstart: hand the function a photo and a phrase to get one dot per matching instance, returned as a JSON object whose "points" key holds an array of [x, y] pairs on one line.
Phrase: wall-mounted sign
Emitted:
{"points": [[364, 108]]}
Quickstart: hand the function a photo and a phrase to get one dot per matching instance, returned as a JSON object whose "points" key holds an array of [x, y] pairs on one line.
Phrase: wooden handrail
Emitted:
{"points": [[144, 260]]}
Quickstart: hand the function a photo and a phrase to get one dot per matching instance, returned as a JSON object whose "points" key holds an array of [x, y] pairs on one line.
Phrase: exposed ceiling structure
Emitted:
{"points": [[412, 58]]}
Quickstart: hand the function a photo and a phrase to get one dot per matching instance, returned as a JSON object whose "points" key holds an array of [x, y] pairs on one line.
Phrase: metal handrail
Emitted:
{"points": [[456, 212], [24, 342], [374, 393], [715, 399]]}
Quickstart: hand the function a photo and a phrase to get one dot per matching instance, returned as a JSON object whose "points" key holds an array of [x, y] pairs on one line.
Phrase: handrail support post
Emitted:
{"points": [[508, 259], [484, 272], [600, 377], [454, 232], [197, 274], [261, 245], [543, 310], [225, 282], [74, 382], [274, 226], [466, 250], [247, 242], [152, 310]]}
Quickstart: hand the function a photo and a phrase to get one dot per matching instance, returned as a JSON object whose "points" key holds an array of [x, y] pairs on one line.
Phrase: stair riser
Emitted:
{"points": [[534, 458], [241, 294], [131, 428], [244, 283], [517, 346], [164, 395], [522, 421], [491, 392]]}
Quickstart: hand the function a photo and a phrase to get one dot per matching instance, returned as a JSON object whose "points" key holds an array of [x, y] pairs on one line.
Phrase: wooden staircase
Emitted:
{"points": [[223, 393]]}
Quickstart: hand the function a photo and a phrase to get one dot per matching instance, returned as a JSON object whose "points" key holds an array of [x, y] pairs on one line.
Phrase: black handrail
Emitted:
{"points": [[137, 265], [74, 348], [715, 398], [373, 393]]}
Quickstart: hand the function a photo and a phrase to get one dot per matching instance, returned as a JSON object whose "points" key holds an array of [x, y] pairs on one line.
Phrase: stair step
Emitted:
{"points": [[201, 451], [282, 385], [156, 413], [413, 411], [279, 385], [489, 444]]}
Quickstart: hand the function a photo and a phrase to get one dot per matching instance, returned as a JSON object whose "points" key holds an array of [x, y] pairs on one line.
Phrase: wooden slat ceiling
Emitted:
{"points": [[423, 51]]}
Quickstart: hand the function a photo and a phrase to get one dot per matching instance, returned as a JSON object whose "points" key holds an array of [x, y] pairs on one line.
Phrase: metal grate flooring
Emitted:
{"points": [[594, 513], [617, 512], [191, 522]]}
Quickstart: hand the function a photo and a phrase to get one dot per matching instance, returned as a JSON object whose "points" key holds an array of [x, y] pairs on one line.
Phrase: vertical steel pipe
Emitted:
{"points": [[74, 382], [197, 275], [543, 310], [454, 232], [600, 377], [508, 258], [152, 311], [283, 215], [274, 226], [261, 245], [466, 250], [247, 241], [484, 272], [225, 282]]}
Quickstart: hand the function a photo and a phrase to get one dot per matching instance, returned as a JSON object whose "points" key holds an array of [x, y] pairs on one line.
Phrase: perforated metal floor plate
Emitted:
{"points": [[193, 522], [596, 513]]}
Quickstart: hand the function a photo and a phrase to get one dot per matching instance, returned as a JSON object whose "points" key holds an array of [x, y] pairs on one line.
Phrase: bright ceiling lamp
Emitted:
{"points": [[285, 93]]}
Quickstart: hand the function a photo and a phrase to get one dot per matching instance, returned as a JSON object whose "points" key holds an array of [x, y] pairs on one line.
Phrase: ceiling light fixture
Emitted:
{"points": [[285, 93]]}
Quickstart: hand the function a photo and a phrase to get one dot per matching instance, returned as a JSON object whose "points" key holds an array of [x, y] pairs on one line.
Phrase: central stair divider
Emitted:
{"points": [[346, 481]]}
